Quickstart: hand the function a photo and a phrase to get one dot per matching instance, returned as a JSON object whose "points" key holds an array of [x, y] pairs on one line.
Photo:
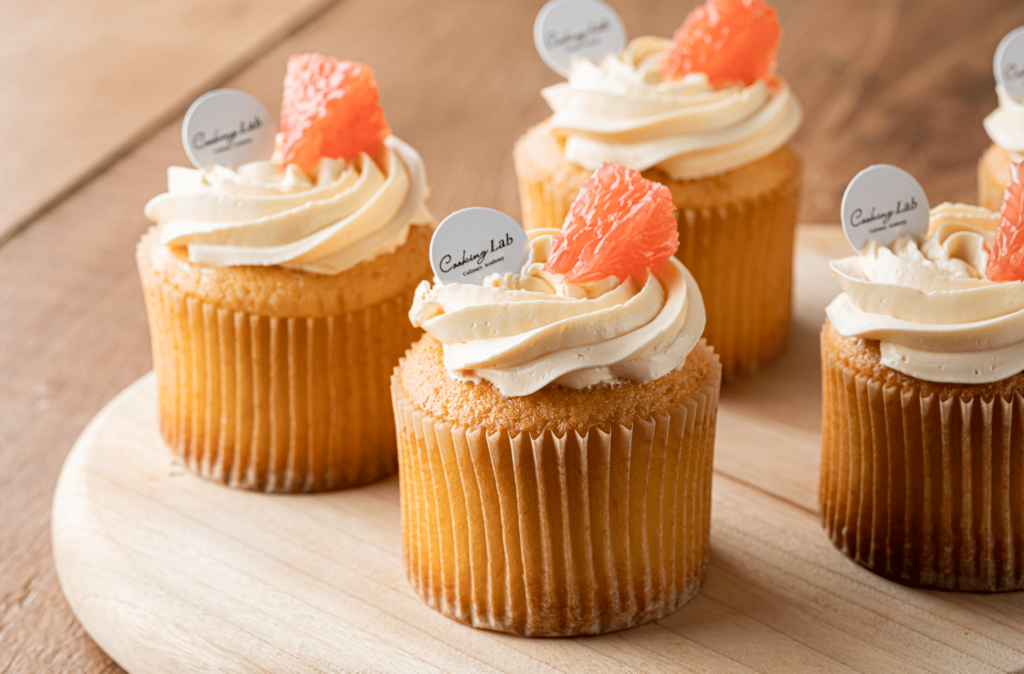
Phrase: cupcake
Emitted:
{"points": [[556, 427], [922, 358], [278, 293], [706, 116]]}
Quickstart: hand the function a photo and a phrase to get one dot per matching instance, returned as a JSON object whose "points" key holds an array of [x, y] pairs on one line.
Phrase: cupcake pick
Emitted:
{"points": [[1003, 123], [620, 224], [471, 244], [883, 203], [1008, 65], [227, 127], [728, 41], [1006, 263], [565, 29]]}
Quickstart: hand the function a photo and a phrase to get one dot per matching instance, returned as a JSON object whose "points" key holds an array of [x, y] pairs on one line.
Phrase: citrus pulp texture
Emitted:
{"points": [[620, 224], [330, 109], [727, 40]]}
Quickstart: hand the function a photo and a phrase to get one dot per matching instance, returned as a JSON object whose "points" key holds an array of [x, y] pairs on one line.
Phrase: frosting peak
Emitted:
{"points": [[623, 111], [324, 222], [523, 331], [930, 306]]}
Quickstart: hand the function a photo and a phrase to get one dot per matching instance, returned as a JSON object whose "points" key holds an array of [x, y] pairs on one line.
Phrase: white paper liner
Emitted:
{"points": [[923, 490], [558, 536], [278, 404]]}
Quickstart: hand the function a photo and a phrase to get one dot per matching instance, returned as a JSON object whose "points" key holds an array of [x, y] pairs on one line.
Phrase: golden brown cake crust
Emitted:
{"points": [[539, 155], [553, 407], [282, 293], [993, 172], [864, 356]]}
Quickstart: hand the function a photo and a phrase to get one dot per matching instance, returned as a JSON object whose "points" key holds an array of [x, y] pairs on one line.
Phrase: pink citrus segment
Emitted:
{"points": [[1006, 263], [330, 109], [727, 40], [620, 224]]}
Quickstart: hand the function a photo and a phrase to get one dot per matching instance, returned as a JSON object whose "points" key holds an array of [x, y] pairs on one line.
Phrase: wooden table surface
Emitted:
{"points": [[93, 94]]}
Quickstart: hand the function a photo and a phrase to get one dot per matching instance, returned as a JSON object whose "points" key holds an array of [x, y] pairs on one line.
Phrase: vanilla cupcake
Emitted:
{"points": [[714, 130], [278, 294], [922, 359], [555, 443]]}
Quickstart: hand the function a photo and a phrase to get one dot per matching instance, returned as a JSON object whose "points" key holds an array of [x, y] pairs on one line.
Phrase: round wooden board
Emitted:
{"points": [[172, 574]]}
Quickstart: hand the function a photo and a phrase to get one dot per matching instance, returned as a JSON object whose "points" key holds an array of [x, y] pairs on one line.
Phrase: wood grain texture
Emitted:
{"points": [[170, 573], [84, 81], [906, 82], [893, 81]]}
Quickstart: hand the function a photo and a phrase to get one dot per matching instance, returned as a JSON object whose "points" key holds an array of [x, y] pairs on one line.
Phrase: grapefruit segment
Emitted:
{"points": [[727, 40], [330, 108], [1006, 263], [620, 224]]}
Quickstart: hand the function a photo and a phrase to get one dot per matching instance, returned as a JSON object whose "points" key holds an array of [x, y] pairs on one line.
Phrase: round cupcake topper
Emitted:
{"points": [[883, 203], [474, 243], [227, 127], [566, 28], [1009, 63]]}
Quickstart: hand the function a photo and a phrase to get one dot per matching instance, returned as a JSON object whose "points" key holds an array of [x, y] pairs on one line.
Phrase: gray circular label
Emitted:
{"points": [[474, 243], [1009, 63], [565, 28], [883, 203], [227, 127]]}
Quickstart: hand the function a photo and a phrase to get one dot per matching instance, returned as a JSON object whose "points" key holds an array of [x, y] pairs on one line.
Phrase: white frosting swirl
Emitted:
{"points": [[622, 111], [325, 223], [523, 331], [930, 306], [1005, 125]]}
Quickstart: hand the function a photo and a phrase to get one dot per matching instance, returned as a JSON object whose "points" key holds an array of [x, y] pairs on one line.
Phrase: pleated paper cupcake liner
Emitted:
{"points": [[278, 404], [548, 535], [921, 489]]}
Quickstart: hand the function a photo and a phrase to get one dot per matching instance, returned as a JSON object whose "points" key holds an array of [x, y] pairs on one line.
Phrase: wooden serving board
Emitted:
{"points": [[172, 574]]}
